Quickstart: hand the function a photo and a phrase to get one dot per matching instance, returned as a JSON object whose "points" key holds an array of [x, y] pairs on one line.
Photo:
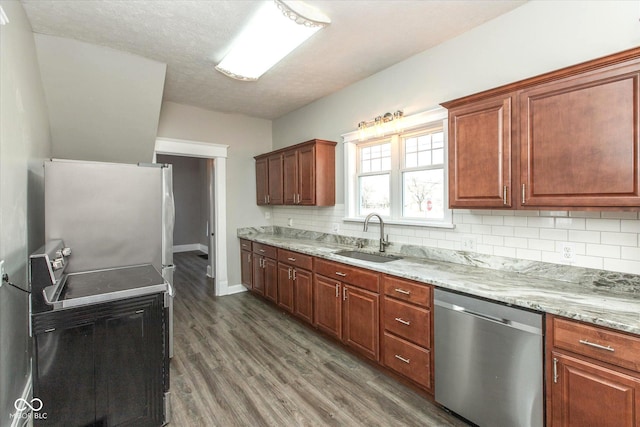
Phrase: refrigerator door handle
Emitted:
{"points": [[168, 215]]}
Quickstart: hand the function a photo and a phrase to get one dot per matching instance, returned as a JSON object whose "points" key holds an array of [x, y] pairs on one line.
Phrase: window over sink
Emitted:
{"points": [[402, 176]]}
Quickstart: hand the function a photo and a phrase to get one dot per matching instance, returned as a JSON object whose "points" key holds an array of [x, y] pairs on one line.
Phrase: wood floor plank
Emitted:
{"points": [[240, 361]]}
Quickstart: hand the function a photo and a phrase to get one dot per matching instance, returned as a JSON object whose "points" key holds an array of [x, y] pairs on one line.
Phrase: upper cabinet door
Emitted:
{"points": [[262, 181], [579, 140], [307, 175], [290, 170], [480, 154], [275, 196]]}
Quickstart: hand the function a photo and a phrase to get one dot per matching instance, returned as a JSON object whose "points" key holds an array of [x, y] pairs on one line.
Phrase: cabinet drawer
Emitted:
{"points": [[266, 250], [600, 344], [408, 321], [406, 290], [296, 259], [245, 245], [407, 359], [356, 276]]}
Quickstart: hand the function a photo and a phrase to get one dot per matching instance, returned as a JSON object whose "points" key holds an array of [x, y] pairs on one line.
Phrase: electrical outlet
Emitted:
{"points": [[1, 271], [469, 244], [290, 222], [267, 215], [567, 252], [336, 227]]}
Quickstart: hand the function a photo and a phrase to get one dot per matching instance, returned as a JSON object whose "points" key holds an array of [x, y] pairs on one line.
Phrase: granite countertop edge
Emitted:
{"points": [[571, 300]]}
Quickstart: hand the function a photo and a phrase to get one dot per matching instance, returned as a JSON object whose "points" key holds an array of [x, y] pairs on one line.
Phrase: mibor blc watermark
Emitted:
{"points": [[26, 409]]}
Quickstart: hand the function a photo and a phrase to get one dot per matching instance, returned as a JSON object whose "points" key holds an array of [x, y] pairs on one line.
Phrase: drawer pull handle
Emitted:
{"points": [[341, 274], [555, 370], [397, 356], [601, 347], [292, 259], [402, 291], [261, 250], [404, 322]]}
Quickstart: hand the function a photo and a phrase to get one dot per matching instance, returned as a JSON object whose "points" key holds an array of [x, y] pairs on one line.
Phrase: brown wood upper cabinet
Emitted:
{"points": [[269, 185], [306, 174], [570, 137], [480, 154]]}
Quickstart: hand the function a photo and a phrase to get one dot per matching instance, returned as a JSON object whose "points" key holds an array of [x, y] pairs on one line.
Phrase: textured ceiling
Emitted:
{"points": [[191, 37]]}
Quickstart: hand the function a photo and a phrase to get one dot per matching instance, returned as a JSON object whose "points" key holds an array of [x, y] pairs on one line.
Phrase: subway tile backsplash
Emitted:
{"points": [[602, 240]]}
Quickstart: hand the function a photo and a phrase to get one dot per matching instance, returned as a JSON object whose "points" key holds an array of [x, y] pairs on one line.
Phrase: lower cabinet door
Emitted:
{"points": [[270, 279], [408, 359], [130, 368], [64, 379], [258, 274], [285, 287], [586, 394], [303, 285], [328, 307], [361, 321], [246, 268]]}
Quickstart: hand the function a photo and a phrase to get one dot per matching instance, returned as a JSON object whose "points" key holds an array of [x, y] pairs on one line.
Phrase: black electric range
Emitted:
{"points": [[52, 289]]}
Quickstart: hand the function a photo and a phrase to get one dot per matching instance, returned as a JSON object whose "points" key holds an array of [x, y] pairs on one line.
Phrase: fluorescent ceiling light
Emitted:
{"points": [[275, 31]]}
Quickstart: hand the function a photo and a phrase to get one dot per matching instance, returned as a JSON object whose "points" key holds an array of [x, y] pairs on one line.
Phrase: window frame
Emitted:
{"points": [[412, 125]]}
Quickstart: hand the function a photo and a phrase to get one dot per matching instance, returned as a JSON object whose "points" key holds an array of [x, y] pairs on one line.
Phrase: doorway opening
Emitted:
{"points": [[208, 161]]}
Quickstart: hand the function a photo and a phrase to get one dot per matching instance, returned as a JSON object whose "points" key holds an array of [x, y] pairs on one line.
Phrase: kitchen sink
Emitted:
{"points": [[368, 256]]}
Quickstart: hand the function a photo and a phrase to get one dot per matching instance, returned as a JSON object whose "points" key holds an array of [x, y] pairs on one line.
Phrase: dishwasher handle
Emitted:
{"points": [[480, 315]]}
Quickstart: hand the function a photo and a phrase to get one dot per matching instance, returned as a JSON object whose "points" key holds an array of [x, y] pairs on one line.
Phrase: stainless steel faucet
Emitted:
{"points": [[383, 242]]}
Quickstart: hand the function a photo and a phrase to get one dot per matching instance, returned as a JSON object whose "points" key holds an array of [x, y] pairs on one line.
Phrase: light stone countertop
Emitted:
{"points": [[612, 306]]}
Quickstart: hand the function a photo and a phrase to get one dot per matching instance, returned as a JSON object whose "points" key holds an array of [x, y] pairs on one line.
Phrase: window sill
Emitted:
{"points": [[405, 222]]}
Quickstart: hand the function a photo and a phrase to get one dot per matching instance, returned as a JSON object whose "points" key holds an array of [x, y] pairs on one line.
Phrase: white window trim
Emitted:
{"points": [[410, 123]]}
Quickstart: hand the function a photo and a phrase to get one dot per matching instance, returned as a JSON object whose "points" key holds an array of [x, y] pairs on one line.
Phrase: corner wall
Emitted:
{"points": [[24, 144], [537, 37]]}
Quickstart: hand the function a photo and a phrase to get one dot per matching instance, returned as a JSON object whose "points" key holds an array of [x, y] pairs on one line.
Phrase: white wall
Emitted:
{"points": [[104, 104], [537, 37], [24, 143], [247, 137]]}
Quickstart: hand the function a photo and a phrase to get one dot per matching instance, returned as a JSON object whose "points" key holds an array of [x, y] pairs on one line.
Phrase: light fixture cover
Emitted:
{"points": [[273, 32]]}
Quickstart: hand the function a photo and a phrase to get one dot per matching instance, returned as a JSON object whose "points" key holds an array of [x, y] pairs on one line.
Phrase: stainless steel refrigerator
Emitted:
{"points": [[112, 215]]}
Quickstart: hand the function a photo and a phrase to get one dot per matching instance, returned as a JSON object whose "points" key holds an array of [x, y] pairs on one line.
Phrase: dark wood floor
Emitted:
{"points": [[241, 362]]}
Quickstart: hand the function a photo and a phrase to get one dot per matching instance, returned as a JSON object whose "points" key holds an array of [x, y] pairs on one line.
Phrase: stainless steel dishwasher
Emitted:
{"points": [[488, 361]]}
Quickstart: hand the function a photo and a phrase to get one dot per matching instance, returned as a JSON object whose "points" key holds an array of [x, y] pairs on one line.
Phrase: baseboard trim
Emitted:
{"points": [[191, 247], [235, 289]]}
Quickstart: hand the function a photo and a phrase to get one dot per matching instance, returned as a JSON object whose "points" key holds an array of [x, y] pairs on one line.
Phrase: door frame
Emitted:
{"points": [[218, 153]]}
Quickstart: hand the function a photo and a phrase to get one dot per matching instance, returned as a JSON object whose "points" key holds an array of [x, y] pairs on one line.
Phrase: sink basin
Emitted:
{"points": [[367, 256]]}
